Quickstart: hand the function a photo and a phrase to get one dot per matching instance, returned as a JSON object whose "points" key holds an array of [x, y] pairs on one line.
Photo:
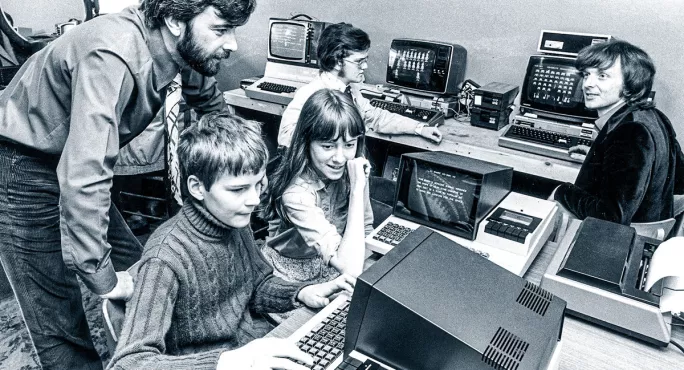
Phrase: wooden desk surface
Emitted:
{"points": [[586, 346], [458, 137]]}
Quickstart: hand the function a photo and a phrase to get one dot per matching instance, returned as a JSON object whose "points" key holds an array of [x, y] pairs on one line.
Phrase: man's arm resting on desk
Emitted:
{"points": [[384, 122]]}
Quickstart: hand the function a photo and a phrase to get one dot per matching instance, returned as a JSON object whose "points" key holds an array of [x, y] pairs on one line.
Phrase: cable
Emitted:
{"points": [[672, 341], [301, 15]]}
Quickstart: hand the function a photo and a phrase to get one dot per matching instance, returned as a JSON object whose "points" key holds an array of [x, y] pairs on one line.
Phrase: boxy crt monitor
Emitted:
{"points": [[294, 41], [449, 192], [426, 67], [553, 89]]}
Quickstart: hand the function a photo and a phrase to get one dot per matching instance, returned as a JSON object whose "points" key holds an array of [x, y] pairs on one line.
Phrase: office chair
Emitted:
{"points": [[657, 229], [678, 205]]}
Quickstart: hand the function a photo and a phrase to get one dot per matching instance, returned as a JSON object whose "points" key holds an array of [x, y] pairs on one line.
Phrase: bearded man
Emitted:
{"points": [[62, 121]]}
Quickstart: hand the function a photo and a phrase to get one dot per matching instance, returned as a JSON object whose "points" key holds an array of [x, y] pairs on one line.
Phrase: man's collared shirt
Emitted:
{"points": [[601, 121], [375, 118], [80, 99]]}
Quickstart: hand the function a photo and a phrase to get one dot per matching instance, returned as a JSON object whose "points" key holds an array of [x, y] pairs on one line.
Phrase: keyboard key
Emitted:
{"points": [[327, 343]]}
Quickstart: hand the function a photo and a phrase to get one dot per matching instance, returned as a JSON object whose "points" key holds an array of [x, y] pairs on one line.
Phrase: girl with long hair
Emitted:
{"points": [[319, 208]]}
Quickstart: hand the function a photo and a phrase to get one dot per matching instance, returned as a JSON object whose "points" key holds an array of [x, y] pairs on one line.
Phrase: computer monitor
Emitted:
{"points": [[294, 41], [432, 304], [426, 67], [553, 89], [449, 192]]}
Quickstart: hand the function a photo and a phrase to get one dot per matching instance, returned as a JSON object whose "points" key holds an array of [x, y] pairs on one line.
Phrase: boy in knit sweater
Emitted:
{"points": [[202, 283]]}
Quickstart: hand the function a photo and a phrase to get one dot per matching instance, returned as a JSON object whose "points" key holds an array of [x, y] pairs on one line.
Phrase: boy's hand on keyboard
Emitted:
{"points": [[265, 353], [578, 151], [431, 133], [318, 295]]}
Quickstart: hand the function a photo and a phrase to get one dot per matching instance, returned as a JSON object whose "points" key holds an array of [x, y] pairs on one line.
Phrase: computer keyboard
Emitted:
{"points": [[392, 233], [551, 138], [543, 142], [325, 341], [431, 117], [276, 88]]}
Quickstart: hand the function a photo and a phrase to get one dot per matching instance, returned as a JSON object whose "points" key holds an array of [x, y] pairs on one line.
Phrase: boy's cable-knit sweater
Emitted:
{"points": [[198, 292]]}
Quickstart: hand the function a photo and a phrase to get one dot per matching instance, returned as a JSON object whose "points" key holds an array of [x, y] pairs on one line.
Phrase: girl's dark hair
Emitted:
{"points": [[326, 116], [235, 12], [638, 69]]}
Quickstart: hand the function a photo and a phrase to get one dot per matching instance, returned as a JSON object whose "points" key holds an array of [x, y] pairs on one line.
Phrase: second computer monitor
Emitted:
{"points": [[294, 41], [449, 192], [553, 88], [426, 67]]}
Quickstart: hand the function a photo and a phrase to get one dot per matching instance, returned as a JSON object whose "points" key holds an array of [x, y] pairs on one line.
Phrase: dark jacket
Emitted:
{"points": [[631, 172]]}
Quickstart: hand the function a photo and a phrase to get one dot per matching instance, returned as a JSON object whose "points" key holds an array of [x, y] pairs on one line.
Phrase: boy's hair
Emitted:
{"points": [[220, 144], [637, 67], [337, 42], [235, 12], [326, 115]]}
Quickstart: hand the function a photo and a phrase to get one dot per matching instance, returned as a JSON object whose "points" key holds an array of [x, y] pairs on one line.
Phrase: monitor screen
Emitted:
{"points": [[553, 88], [287, 40], [445, 198], [426, 66]]}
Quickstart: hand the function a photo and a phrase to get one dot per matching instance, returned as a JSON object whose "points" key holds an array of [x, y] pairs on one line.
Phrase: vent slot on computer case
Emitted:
{"points": [[534, 298], [505, 351]]}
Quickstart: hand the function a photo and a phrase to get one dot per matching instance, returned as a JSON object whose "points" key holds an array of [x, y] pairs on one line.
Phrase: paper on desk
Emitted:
{"points": [[668, 264]]}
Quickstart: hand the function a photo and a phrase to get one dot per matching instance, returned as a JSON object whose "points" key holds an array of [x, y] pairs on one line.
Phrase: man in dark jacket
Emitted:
{"points": [[635, 164]]}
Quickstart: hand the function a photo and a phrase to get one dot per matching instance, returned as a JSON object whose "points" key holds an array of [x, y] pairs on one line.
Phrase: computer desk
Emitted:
{"points": [[458, 137], [586, 346]]}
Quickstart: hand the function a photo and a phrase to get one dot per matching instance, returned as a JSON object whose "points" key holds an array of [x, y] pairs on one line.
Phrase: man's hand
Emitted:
{"points": [[578, 151], [431, 133], [265, 353], [316, 296], [123, 289]]}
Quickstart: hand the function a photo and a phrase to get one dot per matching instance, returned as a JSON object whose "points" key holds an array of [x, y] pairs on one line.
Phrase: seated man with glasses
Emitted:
{"points": [[343, 57]]}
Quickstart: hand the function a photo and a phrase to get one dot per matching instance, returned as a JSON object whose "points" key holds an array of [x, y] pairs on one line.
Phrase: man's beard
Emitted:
{"points": [[197, 58]]}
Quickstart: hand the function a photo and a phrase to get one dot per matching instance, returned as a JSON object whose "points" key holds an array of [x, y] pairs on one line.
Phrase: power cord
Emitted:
{"points": [[676, 319], [466, 96], [672, 341]]}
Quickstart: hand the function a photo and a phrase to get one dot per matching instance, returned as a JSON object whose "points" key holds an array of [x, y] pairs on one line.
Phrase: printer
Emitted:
{"points": [[601, 273]]}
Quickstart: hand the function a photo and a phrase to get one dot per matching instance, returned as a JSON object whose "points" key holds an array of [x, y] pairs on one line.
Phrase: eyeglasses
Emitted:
{"points": [[359, 62]]}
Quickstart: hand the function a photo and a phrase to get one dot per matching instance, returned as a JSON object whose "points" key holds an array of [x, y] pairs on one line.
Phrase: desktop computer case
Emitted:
{"points": [[430, 304]]}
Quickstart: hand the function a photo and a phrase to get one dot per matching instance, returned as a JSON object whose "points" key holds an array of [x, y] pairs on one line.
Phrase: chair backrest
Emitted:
{"points": [[657, 229], [113, 314]]}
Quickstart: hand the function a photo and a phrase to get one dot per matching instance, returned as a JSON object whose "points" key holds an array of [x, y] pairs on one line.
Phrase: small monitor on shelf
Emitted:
{"points": [[448, 192], [553, 89], [294, 41], [426, 67]]}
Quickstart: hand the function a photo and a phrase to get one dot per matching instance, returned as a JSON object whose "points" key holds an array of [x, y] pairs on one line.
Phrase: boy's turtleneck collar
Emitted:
{"points": [[204, 221]]}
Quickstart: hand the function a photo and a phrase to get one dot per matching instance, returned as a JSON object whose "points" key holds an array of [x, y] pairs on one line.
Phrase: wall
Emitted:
{"points": [[499, 35], [42, 15]]}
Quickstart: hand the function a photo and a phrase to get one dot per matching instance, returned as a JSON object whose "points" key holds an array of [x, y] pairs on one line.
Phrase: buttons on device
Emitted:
{"points": [[507, 231], [277, 88], [392, 233]]}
